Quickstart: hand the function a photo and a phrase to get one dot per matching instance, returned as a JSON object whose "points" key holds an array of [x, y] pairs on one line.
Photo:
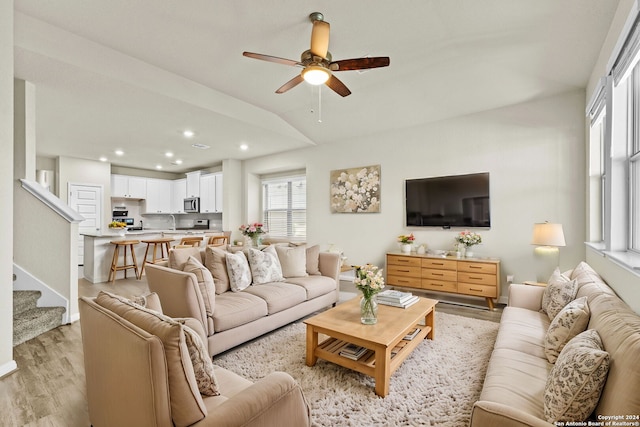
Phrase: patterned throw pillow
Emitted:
{"points": [[202, 363], [559, 292], [575, 382], [572, 320], [238, 270], [205, 283], [265, 267]]}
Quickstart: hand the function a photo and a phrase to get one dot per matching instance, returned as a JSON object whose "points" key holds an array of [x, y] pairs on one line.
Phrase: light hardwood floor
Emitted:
{"points": [[48, 389]]}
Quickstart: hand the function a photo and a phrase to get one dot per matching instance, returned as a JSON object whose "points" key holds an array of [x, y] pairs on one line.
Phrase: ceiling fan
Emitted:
{"points": [[317, 64]]}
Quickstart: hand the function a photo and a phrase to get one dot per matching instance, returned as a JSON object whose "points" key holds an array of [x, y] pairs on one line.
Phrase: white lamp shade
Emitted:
{"points": [[548, 234]]}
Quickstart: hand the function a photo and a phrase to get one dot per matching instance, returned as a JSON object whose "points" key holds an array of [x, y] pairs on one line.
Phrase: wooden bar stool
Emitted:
{"points": [[218, 240], [190, 241], [114, 263], [163, 243]]}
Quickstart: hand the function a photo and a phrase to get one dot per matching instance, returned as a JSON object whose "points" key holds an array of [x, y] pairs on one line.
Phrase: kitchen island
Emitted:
{"points": [[98, 250]]}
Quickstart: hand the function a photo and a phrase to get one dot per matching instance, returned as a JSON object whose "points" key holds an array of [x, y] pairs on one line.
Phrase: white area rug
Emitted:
{"points": [[435, 386]]}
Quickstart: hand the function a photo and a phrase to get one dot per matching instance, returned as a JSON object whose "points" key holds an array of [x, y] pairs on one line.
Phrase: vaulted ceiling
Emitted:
{"points": [[132, 75]]}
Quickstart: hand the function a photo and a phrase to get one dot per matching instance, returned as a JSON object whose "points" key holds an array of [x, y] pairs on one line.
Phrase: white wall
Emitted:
{"points": [[7, 363], [533, 151]]}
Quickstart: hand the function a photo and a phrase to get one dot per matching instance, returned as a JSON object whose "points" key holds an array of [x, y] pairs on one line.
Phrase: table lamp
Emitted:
{"points": [[548, 237]]}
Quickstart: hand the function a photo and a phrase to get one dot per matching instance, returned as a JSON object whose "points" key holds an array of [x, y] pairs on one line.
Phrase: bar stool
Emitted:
{"points": [[217, 240], [114, 263], [163, 243], [190, 241]]}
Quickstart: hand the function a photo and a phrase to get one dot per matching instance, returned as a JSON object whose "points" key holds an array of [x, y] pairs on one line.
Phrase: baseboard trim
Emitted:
{"points": [[8, 368], [74, 318]]}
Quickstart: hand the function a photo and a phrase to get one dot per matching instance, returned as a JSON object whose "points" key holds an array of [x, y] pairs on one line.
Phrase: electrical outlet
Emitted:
{"points": [[510, 278]]}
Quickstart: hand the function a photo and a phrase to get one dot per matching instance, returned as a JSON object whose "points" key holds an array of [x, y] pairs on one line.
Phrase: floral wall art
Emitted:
{"points": [[355, 190]]}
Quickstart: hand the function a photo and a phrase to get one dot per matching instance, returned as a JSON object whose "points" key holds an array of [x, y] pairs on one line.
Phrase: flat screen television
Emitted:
{"points": [[448, 201]]}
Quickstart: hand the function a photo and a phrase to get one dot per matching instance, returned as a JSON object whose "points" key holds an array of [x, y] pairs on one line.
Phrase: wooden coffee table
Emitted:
{"points": [[384, 340]]}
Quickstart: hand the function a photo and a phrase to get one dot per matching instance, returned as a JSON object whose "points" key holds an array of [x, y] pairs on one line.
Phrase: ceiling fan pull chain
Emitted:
{"points": [[319, 104]]}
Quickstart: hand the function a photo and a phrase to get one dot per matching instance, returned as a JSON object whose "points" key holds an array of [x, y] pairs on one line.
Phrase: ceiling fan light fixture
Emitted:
{"points": [[316, 75]]}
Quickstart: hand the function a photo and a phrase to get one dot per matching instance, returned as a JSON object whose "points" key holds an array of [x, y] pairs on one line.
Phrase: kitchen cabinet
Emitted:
{"points": [[158, 196], [193, 184], [129, 187], [211, 193], [178, 194]]}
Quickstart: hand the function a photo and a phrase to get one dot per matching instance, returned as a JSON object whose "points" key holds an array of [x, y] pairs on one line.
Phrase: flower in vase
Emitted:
{"points": [[369, 280], [406, 238], [468, 238]]}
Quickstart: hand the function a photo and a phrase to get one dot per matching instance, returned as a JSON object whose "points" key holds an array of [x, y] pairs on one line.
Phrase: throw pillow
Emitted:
{"points": [[575, 382], [313, 259], [179, 257], [238, 270], [216, 263], [150, 301], [572, 320], [559, 292], [293, 260], [202, 363], [205, 283], [265, 267]]}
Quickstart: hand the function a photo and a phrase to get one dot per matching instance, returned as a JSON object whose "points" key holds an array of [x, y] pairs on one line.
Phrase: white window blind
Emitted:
{"points": [[284, 202]]}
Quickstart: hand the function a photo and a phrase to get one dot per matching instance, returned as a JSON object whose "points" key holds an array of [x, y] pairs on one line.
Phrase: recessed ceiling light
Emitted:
{"points": [[188, 133], [119, 152], [244, 147], [200, 146], [158, 166], [103, 159], [178, 162], [168, 154]]}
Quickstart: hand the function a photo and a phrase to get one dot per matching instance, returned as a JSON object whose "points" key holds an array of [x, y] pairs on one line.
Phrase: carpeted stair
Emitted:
{"points": [[29, 320]]}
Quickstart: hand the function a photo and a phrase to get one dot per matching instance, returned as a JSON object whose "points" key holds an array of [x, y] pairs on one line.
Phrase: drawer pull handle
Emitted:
{"points": [[403, 260], [438, 274], [403, 281], [475, 290], [437, 284], [475, 278], [404, 271], [438, 263]]}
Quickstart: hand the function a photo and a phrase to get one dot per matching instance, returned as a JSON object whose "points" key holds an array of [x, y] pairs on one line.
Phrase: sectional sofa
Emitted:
{"points": [[565, 353], [252, 297]]}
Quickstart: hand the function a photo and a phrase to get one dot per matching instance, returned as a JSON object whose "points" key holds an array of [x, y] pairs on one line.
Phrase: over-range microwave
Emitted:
{"points": [[192, 205]]}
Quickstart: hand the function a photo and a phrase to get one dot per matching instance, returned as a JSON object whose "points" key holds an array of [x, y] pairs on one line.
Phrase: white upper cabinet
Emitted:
{"points": [[158, 196], [211, 193], [193, 184], [131, 187], [178, 194]]}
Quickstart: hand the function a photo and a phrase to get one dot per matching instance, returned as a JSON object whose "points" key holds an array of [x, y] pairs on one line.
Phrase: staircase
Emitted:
{"points": [[29, 321]]}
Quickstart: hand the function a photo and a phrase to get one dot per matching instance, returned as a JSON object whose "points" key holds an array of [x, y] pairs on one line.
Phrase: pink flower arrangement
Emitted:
{"points": [[252, 230], [406, 238]]}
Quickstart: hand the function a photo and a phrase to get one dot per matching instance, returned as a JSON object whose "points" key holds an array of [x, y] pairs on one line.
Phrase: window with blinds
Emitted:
{"points": [[284, 202]]}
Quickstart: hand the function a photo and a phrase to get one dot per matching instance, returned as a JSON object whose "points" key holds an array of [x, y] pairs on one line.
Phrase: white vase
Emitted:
{"points": [[405, 248], [468, 253]]}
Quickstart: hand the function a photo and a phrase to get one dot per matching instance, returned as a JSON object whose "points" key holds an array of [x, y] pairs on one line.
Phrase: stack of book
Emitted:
{"points": [[352, 351], [412, 334], [397, 298]]}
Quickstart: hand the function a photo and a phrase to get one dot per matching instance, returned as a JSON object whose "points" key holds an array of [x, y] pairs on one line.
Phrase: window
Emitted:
{"points": [[284, 202]]}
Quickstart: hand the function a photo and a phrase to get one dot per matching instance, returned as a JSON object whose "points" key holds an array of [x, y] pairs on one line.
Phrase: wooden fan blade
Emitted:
{"points": [[320, 38], [270, 58], [359, 63], [337, 86], [290, 84]]}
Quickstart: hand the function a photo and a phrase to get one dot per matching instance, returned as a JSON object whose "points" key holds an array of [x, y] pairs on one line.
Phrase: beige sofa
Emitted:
{"points": [[513, 393], [139, 372], [236, 317]]}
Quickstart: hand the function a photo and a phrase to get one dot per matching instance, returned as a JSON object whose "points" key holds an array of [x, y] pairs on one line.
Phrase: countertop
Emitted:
{"points": [[124, 232]]}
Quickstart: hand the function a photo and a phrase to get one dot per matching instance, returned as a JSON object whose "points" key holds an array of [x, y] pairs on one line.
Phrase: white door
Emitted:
{"points": [[87, 201]]}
